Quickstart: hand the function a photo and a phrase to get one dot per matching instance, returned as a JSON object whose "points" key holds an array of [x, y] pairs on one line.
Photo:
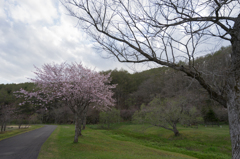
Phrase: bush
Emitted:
{"points": [[127, 115], [109, 117]]}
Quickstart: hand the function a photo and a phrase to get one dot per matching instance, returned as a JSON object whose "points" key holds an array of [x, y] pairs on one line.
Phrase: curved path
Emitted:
{"points": [[26, 145]]}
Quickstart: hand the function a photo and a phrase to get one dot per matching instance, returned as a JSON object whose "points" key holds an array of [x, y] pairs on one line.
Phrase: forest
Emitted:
{"points": [[141, 97]]}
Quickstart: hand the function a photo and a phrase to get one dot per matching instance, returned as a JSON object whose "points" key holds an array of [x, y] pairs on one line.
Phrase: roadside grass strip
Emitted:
{"points": [[98, 144], [15, 131]]}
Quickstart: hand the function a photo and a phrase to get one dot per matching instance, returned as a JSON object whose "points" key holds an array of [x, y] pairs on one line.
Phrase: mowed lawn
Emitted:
{"points": [[138, 141], [203, 143]]}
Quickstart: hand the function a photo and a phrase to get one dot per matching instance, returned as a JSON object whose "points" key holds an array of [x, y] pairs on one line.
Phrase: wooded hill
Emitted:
{"points": [[132, 91]]}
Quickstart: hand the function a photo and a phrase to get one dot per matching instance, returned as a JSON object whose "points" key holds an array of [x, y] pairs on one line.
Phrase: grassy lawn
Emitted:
{"points": [[138, 141], [98, 144], [13, 130], [204, 142]]}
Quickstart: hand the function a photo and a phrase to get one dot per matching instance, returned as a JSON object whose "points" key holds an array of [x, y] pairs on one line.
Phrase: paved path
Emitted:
{"points": [[26, 145]]}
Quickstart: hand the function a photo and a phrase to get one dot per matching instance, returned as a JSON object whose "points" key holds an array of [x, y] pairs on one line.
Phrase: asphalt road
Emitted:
{"points": [[26, 145]]}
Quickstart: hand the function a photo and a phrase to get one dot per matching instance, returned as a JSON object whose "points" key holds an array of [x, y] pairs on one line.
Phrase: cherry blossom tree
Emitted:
{"points": [[74, 85]]}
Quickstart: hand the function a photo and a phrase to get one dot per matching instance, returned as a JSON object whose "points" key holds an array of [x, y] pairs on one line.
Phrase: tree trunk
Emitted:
{"points": [[77, 128], [233, 105], [2, 127], [84, 121], [176, 132], [234, 122], [5, 125], [233, 92]]}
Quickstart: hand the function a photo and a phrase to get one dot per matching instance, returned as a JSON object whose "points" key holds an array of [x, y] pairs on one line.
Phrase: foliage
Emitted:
{"points": [[126, 114], [210, 117], [109, 117], [167, 113]]}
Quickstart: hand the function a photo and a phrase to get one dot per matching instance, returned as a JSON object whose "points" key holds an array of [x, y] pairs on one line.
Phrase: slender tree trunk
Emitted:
{"points": [[77, 128], [176, 132], [84, 119], [233, 98], [2, 127], [78, 113], [5, 125]]}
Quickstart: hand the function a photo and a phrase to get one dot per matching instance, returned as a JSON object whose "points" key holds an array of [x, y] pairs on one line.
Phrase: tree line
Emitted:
{"points": [[136, 96]]}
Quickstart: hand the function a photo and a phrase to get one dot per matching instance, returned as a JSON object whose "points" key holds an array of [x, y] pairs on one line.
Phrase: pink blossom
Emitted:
{"points": [[71, 83]]}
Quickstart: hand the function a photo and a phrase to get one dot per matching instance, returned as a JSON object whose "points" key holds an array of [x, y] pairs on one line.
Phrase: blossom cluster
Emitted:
{"points": [[70, 83]]}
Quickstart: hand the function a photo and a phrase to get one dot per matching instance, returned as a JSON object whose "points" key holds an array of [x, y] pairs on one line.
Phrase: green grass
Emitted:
{"points": [[12, 132], [138, 141], [98, 144], [204, 142]]}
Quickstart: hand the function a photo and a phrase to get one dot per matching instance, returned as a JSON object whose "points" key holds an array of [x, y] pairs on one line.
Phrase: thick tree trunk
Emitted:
{"points": [[233, 92], [234, 122], [233, 103]]}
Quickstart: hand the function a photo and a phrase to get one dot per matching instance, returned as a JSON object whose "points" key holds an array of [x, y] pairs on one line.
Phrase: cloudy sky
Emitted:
{"points": [[34, 33]]}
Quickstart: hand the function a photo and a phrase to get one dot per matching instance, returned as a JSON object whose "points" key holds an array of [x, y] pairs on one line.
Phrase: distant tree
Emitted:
{"points": [[92, 115], [109, 117], [6, 112], [166, 82], [210, 117], [127, 84], [73, 85], [124, 86], [127, 114], [166, 113], [191, 117], [149, 88], [221, 114]]}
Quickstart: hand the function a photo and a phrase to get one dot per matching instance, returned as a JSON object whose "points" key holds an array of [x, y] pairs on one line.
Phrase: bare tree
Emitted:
{"points": [[5, 116], [166, 31]]}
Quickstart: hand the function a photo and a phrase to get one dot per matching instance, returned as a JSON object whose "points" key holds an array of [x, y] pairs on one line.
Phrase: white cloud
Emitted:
{"points": [[34, 33], [30, 12]]}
